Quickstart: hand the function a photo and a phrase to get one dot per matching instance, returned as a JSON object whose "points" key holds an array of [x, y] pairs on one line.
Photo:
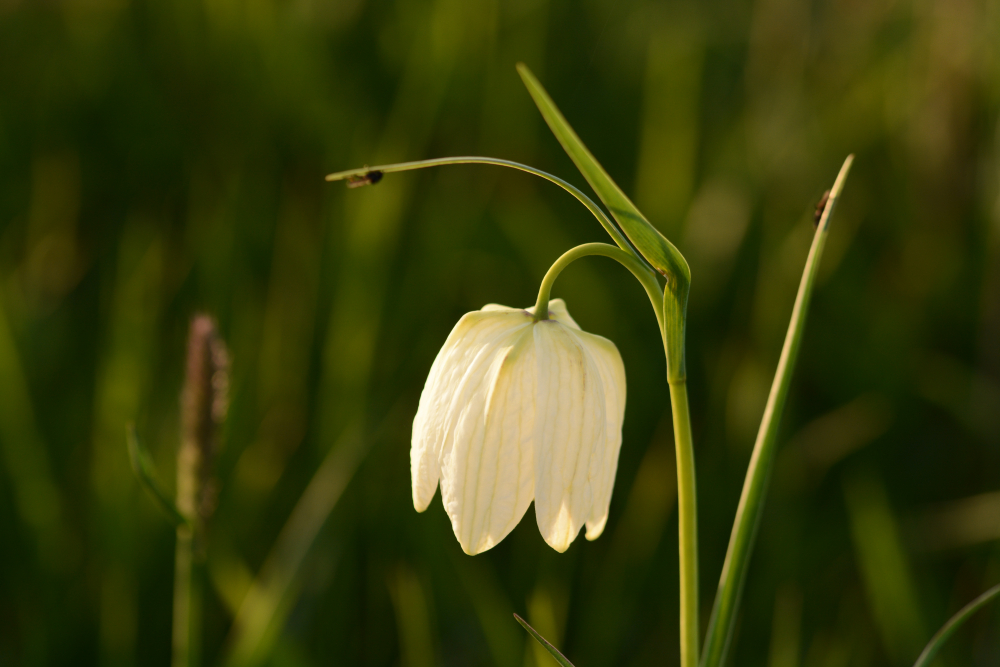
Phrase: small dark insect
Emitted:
{"points": [[820, 207], [371, 178]]}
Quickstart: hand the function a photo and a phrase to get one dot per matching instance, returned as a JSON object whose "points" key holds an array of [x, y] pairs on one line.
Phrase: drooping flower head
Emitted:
{"points": [[513, 411]]}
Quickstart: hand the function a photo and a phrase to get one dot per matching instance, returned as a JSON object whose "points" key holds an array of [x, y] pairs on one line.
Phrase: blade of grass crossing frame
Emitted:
{"points": [[559, 657], [655, 247], [262, 615], [751, 504], [143, 469], [955, 622]]}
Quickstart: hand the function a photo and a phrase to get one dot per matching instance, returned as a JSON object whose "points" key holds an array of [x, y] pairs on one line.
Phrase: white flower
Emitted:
{"points": [[515, 411]]}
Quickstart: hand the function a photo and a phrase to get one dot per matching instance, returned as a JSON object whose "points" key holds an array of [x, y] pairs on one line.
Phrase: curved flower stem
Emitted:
{"points": [[687, 514], [669, 308], [611, 228], [629, 261]]}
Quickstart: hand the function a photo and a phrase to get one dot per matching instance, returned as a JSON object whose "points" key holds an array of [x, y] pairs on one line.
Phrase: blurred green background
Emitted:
{"points": [[159, 159]]}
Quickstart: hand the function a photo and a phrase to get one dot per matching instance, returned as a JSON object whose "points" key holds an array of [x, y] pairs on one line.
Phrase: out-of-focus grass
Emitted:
{"points": [[163, 158]]}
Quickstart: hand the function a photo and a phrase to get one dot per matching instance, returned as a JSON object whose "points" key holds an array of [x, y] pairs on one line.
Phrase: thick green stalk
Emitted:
{"points": [[751, 506], [687, 514], [629, 261], [675, 296]]}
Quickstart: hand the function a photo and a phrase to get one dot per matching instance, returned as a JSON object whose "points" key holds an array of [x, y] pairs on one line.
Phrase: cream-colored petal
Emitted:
{"points": [[558, 312], [497, 308], [475, 331], [569, 433], [486, 483], [489, 475], [608, 362]]}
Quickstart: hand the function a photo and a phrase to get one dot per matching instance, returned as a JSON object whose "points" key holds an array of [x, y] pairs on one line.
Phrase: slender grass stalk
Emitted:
{"points": [[956, 621], [183, 627], [262, 614], [751, 506], [142, 467], [203, 408]]}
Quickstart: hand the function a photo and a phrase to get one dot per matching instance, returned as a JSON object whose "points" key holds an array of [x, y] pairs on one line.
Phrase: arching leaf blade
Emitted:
{"points": [[650, 243]]}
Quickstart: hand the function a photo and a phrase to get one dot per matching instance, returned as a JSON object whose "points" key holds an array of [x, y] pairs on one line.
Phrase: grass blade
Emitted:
{"points": [[655, 247], [355, 175], [559, 657], [143, 469], [751, 504], [942, 635], [886, 573], [265, 608]]}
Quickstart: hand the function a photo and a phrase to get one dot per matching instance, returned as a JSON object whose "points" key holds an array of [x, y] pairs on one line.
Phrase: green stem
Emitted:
{"points": [[673, 337], [611, 228], [628, 260], [939, 638], [687, 513], [675, 298], [183, 598]]}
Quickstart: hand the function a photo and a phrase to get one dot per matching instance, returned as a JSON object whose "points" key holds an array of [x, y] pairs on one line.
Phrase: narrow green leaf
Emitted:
{"points": [[142, 466], [559, 657], [751, 506], [363, 176], [262, 615], [942, 635], [650, 243]]}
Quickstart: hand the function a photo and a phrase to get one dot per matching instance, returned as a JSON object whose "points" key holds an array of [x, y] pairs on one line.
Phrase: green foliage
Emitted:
{"points": [[553, 651], [143, 469]]}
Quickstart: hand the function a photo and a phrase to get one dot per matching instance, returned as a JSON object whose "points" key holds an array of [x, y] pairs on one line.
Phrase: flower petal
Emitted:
{"points": [[496, 307], [487, 459], [498, 468], [608, 362], [569, 433], [473, 332]]}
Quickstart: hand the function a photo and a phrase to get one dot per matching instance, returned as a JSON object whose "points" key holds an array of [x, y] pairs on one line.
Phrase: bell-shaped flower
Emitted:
{"points": [[513, 411]]}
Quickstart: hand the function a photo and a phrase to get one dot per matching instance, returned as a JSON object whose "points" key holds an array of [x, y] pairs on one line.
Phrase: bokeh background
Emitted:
{"points": [[160, 159]]}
